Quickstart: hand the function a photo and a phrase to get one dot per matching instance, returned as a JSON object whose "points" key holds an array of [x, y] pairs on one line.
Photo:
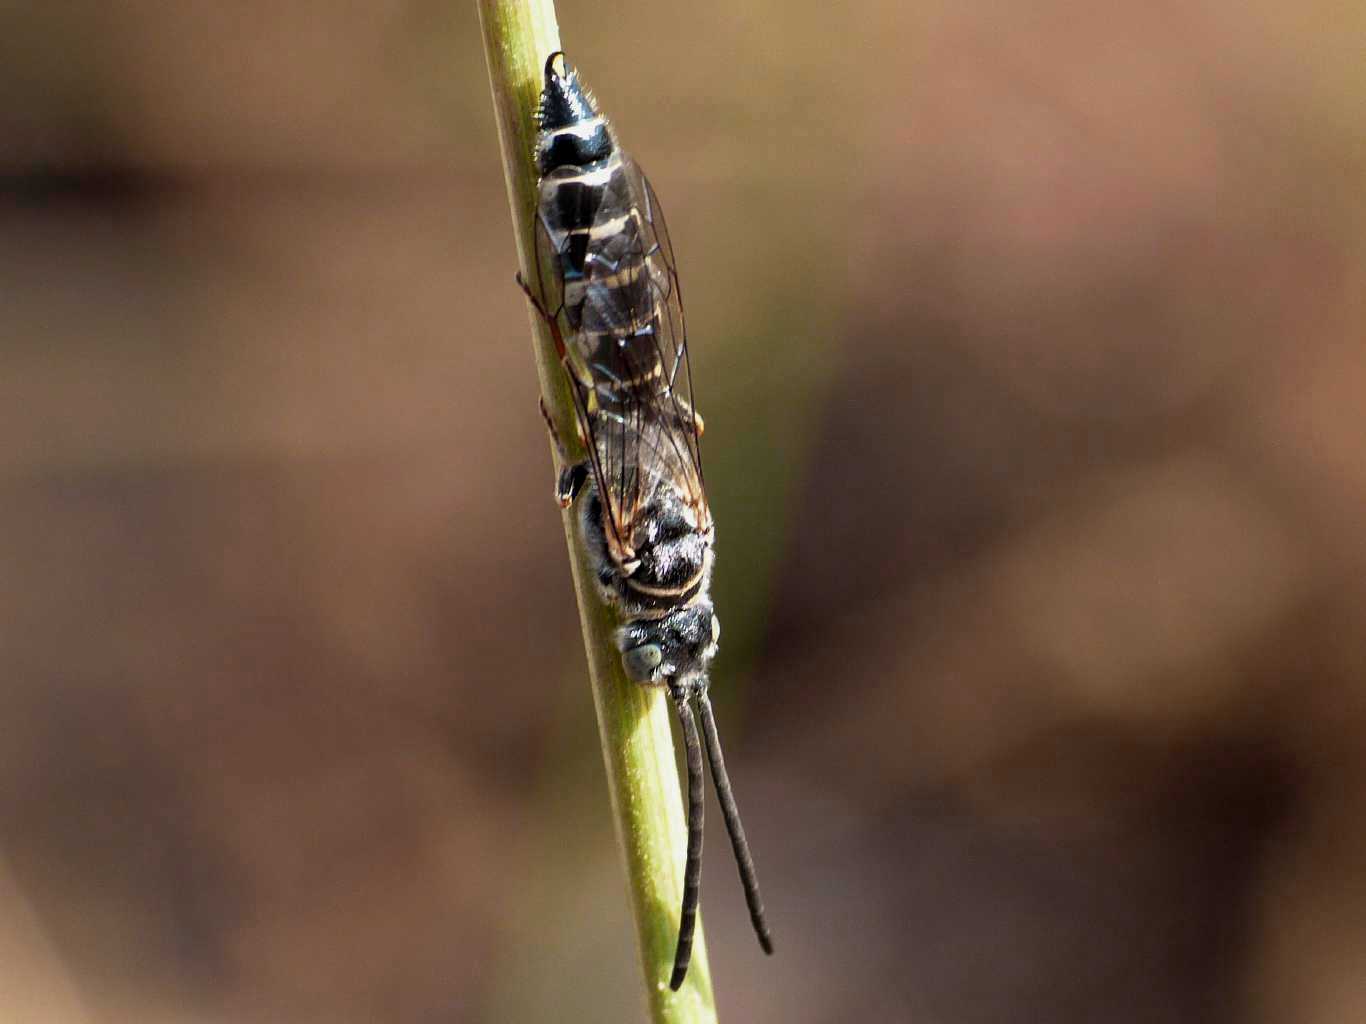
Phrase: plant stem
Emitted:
{"points": [[633, 721]]}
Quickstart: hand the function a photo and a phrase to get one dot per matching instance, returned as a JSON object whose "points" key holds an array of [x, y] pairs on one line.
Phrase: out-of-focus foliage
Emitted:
{"points": [[1029, 340]]}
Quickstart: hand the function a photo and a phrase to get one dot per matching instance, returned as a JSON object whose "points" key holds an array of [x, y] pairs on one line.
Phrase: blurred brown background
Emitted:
{"points": [[1029, 339]]}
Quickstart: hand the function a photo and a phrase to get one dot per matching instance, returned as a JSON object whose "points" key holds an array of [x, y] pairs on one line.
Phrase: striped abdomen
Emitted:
{"points": [[590, 205]]}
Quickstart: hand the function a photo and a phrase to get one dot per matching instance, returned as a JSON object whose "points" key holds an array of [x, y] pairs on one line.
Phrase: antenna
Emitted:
{"points": [[731, 813], [692, 871]]}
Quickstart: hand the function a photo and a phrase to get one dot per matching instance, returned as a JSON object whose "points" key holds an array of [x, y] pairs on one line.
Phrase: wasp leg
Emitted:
{"points": [[550, 427], [531, 296], [689, 411], [573, 475], [572, 479]]}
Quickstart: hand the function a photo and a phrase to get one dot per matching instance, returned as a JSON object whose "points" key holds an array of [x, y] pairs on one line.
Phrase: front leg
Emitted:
{"points": [[573, 475], [571, 481], [531, 296]]}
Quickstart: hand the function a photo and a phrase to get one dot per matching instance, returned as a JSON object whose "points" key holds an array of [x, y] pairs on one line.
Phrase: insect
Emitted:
{"points": [[607, 287]]}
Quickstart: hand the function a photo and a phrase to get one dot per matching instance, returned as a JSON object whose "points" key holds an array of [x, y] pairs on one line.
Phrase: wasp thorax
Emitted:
{"points": [[670, 555]]}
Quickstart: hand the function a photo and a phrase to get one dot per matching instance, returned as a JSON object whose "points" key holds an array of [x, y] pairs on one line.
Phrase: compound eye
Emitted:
{"points": [[640, 662]]}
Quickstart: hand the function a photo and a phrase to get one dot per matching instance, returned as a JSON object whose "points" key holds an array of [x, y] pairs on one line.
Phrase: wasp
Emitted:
{"points": [[606, 284]]}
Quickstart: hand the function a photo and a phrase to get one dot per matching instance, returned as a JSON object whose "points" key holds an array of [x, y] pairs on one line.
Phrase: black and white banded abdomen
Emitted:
{"points": [[612, 278]]}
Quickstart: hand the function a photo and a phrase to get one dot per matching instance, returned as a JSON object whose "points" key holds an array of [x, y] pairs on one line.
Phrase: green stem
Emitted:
{"points": [[633, 721]]}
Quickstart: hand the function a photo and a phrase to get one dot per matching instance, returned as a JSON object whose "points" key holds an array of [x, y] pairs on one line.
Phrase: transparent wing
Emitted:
{"points": [[632, 319], [672, 337], [548, 292], [625, 351], [547, 286]]}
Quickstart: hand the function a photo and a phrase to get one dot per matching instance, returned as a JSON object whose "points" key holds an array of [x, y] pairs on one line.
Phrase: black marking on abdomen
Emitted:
{"points": [[575, 199], [568, 147], [622, 363]]}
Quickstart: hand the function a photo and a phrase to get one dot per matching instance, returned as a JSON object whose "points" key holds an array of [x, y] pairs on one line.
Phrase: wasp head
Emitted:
{"points": [[674, 650]]}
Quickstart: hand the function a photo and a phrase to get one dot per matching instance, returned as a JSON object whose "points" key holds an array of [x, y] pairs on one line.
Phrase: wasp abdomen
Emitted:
{"points": [[589, 208]]}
